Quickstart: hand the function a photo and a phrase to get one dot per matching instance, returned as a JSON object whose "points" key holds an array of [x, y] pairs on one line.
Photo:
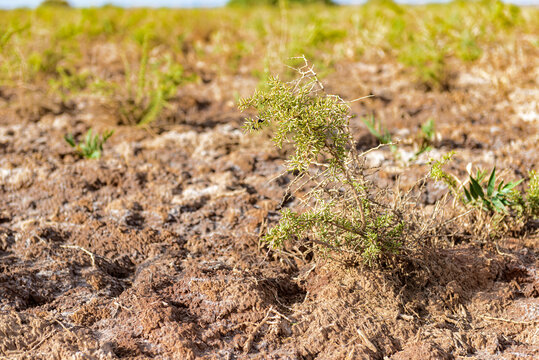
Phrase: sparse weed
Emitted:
{"points": [[7, 35], [45, 62], [92, 146], [467, 48], [381, 134], [492, 207]]}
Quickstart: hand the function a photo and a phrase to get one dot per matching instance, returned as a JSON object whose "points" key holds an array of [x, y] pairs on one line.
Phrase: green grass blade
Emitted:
{"points": [[491, 182], [69, 139], [511, 185], [371, 127], [498, 205], [467, 194], [157, 104], [476, 188]]}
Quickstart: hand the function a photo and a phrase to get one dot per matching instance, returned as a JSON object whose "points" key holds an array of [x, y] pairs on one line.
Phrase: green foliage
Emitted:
{"points": [[59, 3], [339, 231], [92, 146], [467, 48], [491, 195], [428, 131], [9, 33], [526, 205], [277, 2], [45, 62], [426, 137], [427, 59], [532, 195], [492, 198], [69, 81], [337, 214], [437, 173], [504, 15], [432, 42], [377, 130], [316, 125], [322, 33], [423, 141], [381, 134], [151, 89]]}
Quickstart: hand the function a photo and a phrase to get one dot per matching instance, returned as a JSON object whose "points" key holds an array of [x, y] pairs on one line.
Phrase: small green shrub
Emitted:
{"points": [[92, 147], [340, 212]]}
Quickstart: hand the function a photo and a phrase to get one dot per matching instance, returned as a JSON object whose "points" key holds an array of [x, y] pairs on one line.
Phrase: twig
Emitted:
{"points": [[65, 328], [250, 339], [45, 338], [375, 148], [91, 254], [281, 315], [509, 320], [306, 274], [456, 217], [120, 306], [361, 98], [366, 341], [501, 252]]}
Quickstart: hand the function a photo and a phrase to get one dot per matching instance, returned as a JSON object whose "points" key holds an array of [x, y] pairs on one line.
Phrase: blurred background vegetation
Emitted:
{"points": [[136, 59]]}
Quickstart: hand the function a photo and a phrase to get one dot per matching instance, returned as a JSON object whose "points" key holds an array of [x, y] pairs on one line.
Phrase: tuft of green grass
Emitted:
{"points": [[92, 146], [492, 195], [151, 89], [491, 198], [426, 137], [377, 130]]}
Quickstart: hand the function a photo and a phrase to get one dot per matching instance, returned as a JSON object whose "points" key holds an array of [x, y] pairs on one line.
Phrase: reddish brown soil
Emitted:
{"points": [[153, 251]]}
